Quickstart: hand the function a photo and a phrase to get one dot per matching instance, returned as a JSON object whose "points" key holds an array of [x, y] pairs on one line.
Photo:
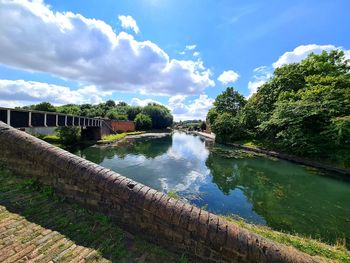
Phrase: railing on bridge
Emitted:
{"points": [[19, 118]]}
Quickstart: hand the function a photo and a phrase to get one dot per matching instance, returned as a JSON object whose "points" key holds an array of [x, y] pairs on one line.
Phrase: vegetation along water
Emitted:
{"points": [[223, 180]]}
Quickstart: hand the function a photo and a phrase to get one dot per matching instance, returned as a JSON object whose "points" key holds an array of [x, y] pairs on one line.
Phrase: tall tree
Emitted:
{"points": [[230, 101]]}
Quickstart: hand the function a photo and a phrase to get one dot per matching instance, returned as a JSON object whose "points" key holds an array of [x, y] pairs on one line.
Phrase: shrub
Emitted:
{"points": [[68, 135], [143, 122]]}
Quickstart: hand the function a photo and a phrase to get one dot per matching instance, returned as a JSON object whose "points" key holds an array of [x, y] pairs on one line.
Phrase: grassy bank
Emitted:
{"points": [[118, 137], [336, 253]]}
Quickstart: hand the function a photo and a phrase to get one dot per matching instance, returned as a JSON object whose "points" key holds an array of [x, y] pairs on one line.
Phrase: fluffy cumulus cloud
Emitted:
{"points": [[196, 109], [74, 47], [144, 102], [228, 76], [128, 22], [20, 92], [301, 52]]}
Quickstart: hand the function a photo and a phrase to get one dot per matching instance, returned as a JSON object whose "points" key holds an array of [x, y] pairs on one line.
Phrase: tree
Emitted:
{"points": [[68, 135], [203, 126], [228, 128], [114, 114], [160, 115], [143, 122], [122, 104], [44, 106], [110, 103], [132, 111], [230, 101], [303, 108], [211, 116]]}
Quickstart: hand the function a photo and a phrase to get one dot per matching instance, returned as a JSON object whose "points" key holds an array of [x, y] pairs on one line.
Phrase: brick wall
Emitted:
{"points": [[144, 211], [123, 126]]}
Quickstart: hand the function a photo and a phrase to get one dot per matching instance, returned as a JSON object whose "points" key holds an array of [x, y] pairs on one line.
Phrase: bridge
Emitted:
{"points": [[91, 128]]}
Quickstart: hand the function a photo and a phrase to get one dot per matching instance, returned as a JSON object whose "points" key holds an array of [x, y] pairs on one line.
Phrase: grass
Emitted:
{"points": [[119, 136], [173, 194], [40, 204], [336, 253], [52, 139]]}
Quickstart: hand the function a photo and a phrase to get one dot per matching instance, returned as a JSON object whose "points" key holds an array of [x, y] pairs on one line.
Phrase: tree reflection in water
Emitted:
{"points": [[262, 190]]}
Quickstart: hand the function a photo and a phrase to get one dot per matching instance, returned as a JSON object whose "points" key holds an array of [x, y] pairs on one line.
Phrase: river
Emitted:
{"points": [[260, 189]]}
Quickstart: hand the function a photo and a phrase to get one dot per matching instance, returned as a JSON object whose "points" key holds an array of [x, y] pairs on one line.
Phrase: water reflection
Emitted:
{"points": [[262, 190]]}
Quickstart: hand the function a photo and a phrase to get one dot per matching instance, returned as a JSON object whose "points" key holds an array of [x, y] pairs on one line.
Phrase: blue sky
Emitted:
{"points": [[181, 53]]}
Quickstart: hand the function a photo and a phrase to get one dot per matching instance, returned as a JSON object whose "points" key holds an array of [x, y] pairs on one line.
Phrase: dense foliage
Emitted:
{"points": [[191, 125], [304, 108], [68, 135], [160, 116], [143, 122]]}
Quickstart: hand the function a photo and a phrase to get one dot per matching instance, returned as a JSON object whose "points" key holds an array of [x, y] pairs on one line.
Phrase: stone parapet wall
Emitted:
{"points": [[144, 211]]}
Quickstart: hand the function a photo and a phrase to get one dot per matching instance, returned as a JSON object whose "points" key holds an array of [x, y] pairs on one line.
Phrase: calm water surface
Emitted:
{"points": [[262, 190]]}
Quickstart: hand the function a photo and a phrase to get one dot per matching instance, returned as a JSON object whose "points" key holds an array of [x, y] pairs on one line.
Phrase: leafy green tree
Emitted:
{"points": [[211, 116], [160, 115], [110, 103], [132, 111], [68, 135], [303, 108], [44, 106], [203, 126], [116, 115], [228, 128], [230, 101], [69, 109], [122, 104], [143, 122]]}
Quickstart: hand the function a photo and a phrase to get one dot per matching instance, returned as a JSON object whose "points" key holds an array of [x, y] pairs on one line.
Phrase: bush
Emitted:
{"points": [[68, 135], [143, 122], [228, 128], [160, 116], [116, 115]]}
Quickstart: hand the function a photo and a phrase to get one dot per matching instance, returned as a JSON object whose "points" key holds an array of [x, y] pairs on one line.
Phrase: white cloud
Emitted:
{"points": [[74, 47], [140, 102], [261, 75], [191, 47], [302, 51], [254, 85], [196, 54], [129, 22], [196, 110], [20, 92], [177, 99], [228, 76]]}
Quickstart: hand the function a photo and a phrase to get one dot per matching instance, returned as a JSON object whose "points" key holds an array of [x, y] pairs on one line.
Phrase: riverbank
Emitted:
{"points": [[249, 146], [292, 158]]}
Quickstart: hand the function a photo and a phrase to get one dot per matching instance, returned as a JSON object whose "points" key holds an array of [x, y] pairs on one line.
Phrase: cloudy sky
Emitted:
{"points": [[180, 53]]}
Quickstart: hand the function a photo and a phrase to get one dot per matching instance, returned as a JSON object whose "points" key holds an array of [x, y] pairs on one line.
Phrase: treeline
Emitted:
{"points": [[151, 116], [304, 109], [191, 125]]}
